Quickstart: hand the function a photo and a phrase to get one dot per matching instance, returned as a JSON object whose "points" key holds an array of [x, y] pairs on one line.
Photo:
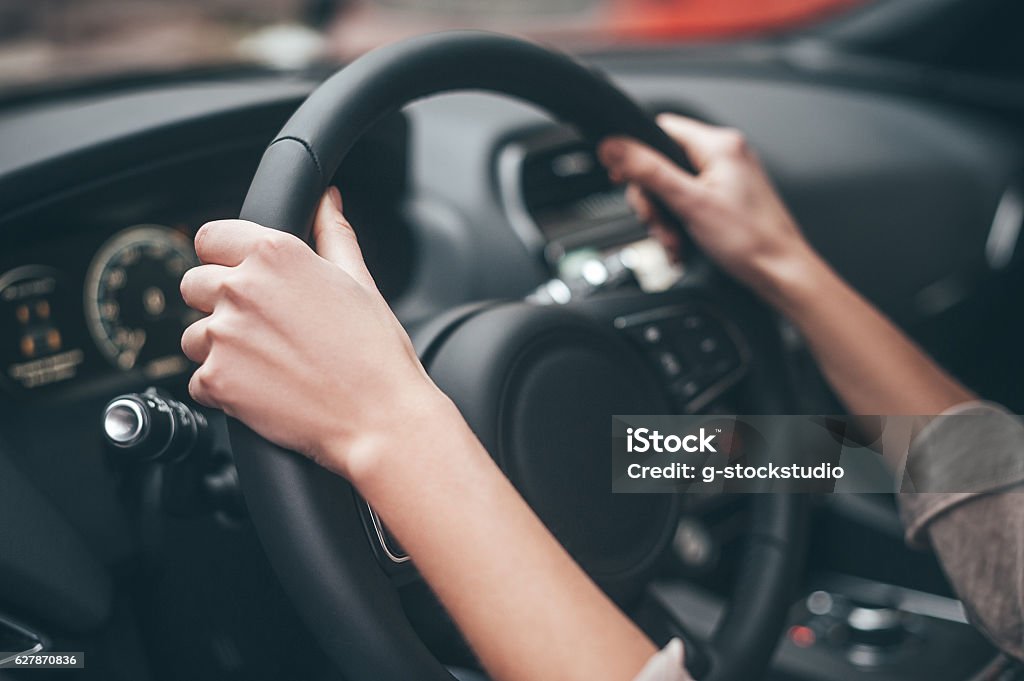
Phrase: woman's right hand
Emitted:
{"points": [[730, 207], [735, 215]]}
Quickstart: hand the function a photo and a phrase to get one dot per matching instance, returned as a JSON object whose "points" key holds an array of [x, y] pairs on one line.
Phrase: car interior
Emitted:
{"points": [[467, 164]]}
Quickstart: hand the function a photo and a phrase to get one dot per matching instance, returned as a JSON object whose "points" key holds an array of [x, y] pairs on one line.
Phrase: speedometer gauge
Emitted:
{"points": [[132, 299]]}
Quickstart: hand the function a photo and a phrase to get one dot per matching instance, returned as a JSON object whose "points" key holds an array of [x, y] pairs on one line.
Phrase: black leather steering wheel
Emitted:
{"points": [[312, 523]]}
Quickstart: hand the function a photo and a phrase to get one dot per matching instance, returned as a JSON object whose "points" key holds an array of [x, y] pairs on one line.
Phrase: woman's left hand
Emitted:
{"points": [[300, 345]]}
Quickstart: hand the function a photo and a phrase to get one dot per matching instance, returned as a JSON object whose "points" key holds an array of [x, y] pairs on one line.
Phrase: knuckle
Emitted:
{"points": [[196, 387], [272, 245], [657, 176], [232, 289], [222, 329], [209, 379], [734, 142], [215, 331], [267, 247], [646, 173]]}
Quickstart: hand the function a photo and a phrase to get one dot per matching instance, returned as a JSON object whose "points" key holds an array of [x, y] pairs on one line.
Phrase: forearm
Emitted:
{"points": [[971, 467], [873, 366], [529, 612]]}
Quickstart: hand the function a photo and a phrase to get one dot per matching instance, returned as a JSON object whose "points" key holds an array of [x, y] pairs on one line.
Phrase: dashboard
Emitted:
{"points": [[458, 198]]}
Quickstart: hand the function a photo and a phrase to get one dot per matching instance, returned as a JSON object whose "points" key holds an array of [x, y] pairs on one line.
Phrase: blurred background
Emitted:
{"points": [[61, 40]]}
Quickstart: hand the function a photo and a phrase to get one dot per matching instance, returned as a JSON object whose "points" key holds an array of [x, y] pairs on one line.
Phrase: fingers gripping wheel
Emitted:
{"points": [[309, 519]]}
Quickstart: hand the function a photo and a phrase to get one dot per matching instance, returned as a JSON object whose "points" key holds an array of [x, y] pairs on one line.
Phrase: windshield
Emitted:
{"points": [[44, 41]]}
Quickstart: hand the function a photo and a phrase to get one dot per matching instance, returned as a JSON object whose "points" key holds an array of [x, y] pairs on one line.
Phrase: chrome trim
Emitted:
{"points": [[140, 422], [378, 528], [1006, 226], [901, 598], [27, 272], [510, 190], [931, 605], [25, 633]]}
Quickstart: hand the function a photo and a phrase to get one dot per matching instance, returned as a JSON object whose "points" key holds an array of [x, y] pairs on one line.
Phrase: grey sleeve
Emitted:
{"points": [[963, 492]]}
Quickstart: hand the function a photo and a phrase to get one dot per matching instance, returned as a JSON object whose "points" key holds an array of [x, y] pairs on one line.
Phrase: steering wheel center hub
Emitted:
{"points": [[540, 387]]}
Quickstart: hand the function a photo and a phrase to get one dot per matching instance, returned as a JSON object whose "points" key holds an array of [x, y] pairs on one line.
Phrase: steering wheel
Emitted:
{"points": [[538, 385]]}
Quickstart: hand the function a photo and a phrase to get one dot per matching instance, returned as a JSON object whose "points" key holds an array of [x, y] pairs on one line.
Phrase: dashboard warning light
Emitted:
{"points": [[801, 636], [53, 340]]}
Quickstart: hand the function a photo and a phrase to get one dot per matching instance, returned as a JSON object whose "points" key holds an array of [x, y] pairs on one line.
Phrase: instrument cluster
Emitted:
{"points": [[89, 309]]}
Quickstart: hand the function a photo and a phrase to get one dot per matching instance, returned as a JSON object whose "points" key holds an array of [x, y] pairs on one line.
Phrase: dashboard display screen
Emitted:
{"points": [[93, 306], [39, 347]]}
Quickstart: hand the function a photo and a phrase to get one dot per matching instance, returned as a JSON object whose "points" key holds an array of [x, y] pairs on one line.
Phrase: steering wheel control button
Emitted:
{"points": [[652, 334], [692, 322], [819, 603], [686, 389], [693, 544], [670, 364], [696, 352]]}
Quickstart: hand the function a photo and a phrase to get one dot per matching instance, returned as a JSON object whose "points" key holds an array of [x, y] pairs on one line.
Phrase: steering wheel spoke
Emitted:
{"points": [[687, 335]]}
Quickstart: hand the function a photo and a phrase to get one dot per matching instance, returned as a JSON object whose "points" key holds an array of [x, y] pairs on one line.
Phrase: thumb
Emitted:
{"points": [[630, 161], [336, 240]]}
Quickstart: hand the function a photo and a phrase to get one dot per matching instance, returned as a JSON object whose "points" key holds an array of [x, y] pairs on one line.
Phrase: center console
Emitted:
{"points": [[845, 628]]}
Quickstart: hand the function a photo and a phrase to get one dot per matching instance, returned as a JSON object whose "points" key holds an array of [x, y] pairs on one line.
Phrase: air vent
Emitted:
{"points": [[559, 198]]}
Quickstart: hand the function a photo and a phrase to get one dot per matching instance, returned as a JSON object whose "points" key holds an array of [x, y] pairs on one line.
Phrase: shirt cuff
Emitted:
{"points": [[665, 665], [971, 449]]}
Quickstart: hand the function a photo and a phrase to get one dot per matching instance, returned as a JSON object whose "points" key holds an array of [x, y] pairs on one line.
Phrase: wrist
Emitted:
{"points": [[419, 422], [794, 280]]}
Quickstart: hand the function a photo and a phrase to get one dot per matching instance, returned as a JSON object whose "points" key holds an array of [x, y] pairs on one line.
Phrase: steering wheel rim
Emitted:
{"points": [[307, 518]]}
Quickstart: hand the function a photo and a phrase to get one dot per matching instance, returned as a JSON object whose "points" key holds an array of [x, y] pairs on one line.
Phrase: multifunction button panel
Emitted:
{"points": [[698, 354]]}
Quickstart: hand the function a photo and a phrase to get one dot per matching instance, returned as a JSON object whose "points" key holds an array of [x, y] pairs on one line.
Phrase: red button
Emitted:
{"points": [[801, 636]]}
